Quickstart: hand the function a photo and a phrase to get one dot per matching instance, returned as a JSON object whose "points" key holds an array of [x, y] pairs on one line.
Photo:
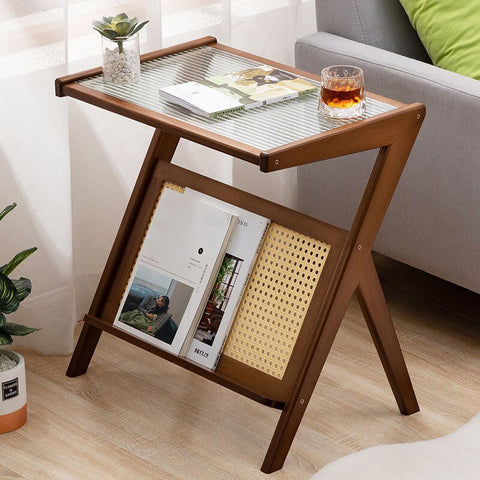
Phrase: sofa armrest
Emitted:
{"points": [[433, 221], [391, 74]]}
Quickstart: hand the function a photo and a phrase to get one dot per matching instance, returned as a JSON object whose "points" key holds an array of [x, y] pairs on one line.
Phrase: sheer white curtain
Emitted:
{"points": [[71, 167]]}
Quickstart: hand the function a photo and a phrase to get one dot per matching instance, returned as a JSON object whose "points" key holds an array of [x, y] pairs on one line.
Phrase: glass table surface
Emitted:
{"points": [[264, 128]]}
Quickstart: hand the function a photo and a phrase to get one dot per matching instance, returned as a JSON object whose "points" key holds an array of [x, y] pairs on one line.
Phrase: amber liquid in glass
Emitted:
{"points": [[342, 96]]}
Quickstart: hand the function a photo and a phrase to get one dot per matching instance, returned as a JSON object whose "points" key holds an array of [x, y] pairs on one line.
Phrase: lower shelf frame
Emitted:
{"points": [[349, 270]]}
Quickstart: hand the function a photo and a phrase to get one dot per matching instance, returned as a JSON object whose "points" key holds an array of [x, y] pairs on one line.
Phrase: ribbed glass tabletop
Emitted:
{"points": [[264, 127]]}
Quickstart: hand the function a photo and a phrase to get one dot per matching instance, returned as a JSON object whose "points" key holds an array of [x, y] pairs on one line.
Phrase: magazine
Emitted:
{"points": [[244, 244], [237, 91], [175, 270]]}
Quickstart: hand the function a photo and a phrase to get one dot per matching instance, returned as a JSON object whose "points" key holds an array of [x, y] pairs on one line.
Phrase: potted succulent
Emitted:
{"points": [[121, 49], [13, 406]]}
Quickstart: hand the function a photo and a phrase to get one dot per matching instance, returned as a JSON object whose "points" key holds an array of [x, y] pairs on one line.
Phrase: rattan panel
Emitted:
{"points": [[276, 300], [172, 186]]}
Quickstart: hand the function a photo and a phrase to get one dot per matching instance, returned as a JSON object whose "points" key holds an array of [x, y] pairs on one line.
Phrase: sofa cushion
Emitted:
{"points": [[380, 23], [449, 31]]}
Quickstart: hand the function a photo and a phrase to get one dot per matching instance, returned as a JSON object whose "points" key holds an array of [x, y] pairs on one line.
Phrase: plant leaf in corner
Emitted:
{"points": [[24, 287], [5, 338], [17, 329], [7, 209], [8, 295], [17, 259]]}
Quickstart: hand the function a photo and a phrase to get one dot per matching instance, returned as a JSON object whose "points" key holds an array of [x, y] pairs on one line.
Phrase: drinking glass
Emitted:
{"points": [[342, 94]]}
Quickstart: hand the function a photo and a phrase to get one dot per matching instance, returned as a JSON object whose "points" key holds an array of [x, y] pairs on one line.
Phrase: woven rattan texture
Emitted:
{"points": [[172, 186], [276, 300]]}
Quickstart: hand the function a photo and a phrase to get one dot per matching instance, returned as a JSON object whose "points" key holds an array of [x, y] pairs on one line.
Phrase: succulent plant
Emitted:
{"points": [[118, 28], [12, 292]]}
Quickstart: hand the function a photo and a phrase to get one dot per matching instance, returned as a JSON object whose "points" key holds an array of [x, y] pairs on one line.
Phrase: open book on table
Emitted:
{"points": [[237, 91], [175, 270]]}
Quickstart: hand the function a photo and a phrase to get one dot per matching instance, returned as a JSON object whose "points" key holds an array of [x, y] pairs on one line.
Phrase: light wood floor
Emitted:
{"points": [[134, 416]]}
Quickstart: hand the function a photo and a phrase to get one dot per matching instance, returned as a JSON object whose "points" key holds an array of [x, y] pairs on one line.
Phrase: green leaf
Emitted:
{"points": [[107, 19], [139, 27], [7, 209], [23, 287], [130, 31], [8, 295], [17, 329], [17, 259], [3, 320], [100, 31], [122, 27], [119, 18], [109, 33], [99, 25], [5, 338]]}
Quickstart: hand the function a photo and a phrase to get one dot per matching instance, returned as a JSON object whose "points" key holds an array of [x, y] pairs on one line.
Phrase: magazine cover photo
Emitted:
{"points": [[154, 305], [218, 300]]}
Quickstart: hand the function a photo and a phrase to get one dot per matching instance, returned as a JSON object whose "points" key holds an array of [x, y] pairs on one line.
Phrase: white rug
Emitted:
{"points": [[453, 457]]}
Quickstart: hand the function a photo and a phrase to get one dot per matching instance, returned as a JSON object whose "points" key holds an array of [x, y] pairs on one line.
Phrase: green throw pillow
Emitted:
{"points": [[450, 32]]}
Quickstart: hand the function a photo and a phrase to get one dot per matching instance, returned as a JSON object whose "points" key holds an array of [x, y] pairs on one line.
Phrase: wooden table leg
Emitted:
{"points": [[294, 410], [379, 321], [356, 273], [162, 147], [84, 350]]}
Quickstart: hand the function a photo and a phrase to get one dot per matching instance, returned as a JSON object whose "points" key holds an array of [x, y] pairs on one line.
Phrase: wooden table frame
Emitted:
{"points": [[350, 268]]}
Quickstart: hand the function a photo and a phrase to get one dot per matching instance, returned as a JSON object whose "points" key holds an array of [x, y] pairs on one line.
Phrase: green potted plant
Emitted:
{"points": [[13, 406], [121, 49]]}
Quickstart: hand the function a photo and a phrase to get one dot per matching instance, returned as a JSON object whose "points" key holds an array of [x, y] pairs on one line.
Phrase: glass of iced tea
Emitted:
{"points": [[342, 94]]}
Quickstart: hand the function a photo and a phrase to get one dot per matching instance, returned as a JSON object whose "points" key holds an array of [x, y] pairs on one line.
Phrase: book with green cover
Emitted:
{"points": [[237, 91]]}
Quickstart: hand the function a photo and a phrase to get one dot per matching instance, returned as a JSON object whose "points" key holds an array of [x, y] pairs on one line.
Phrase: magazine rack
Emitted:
{"points": [[307, 270]]}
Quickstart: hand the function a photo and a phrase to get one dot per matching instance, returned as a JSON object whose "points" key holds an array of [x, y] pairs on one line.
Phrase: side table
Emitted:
{"points": [[307, 271]]}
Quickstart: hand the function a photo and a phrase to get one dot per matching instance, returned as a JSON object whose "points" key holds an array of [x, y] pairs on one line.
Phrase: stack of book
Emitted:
{"points": [[190, 274]]}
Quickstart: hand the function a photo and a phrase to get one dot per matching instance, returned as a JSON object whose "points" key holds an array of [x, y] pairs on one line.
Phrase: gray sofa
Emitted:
{"points": [[433, 222]]}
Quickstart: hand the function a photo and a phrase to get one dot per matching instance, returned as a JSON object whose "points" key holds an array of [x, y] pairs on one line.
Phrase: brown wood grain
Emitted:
{"points": [[263, 387], [367, 134], [348, 269]]}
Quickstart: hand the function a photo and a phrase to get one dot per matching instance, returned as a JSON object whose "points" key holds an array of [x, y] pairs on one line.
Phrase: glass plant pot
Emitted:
{"points": [[121, 60]]}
